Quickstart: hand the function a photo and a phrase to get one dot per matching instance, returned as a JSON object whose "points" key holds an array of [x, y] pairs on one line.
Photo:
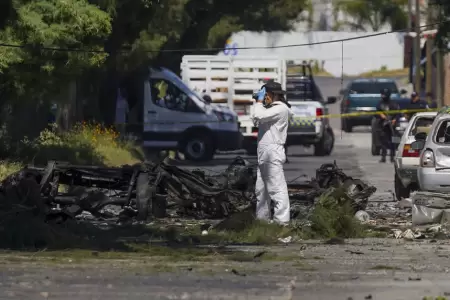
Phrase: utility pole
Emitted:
{"points": [[429, 49], [409, 41], [417, 48], [439, 67]]}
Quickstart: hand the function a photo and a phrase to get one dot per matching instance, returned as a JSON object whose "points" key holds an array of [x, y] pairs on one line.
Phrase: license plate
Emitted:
{"points": [[395, 139]]}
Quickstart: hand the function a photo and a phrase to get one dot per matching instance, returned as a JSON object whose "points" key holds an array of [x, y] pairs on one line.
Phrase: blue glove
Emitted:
{"points": [[261, 94]]}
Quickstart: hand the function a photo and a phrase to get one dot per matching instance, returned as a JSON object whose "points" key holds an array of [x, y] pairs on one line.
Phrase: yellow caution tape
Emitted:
{"points": [[307, 120], [372, 113]]}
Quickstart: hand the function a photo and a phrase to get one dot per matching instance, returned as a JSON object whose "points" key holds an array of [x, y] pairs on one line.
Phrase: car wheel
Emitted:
{"points": [[347, 126], [199, 147], [400, 190]]}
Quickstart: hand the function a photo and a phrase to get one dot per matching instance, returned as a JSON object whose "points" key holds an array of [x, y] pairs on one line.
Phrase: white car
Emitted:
{"points": [[407, 159], [434, 169]]}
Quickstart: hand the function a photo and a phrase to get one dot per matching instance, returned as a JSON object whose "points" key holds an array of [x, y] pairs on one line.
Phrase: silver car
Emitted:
{"points": [[407, 159], [434, 169]]}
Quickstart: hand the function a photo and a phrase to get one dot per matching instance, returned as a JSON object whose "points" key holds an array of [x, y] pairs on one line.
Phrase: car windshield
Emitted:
{"points": [[422, 124], [372, 87], [180, 82]]}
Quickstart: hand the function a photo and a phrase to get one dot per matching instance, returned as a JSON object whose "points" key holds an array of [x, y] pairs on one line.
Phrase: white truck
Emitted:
{"points": [[231, 81]]}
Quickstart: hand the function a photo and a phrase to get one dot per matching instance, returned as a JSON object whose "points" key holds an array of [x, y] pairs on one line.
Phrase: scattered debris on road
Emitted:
{"points": [[62, 192], [160, 190]]}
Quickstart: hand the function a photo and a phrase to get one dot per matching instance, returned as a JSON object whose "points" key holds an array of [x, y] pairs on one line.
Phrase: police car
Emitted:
{"points": [[309, 126]]}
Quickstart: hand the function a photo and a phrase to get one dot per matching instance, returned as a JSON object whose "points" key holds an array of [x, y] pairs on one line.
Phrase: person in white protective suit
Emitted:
{"points": [[271, 114]]}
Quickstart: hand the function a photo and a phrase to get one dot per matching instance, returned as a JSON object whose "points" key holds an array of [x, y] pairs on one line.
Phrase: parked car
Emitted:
{"points": [[407, 159], [433, 173], [361, 97]]}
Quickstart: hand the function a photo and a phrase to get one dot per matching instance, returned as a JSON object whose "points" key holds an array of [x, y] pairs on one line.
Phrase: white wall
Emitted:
{"points": [[359, 55]]}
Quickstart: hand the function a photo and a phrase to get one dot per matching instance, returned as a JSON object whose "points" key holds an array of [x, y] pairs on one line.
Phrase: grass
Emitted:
{"points": [[384, 72], [84, 144]]}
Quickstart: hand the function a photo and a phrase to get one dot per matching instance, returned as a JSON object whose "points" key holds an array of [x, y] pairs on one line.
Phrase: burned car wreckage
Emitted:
{"points": [[62, 191]]}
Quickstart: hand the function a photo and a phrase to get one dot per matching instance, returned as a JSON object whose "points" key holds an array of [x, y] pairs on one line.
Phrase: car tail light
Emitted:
{"points": [[427, 159], [346, 102], [319, 112], [408, 152]]}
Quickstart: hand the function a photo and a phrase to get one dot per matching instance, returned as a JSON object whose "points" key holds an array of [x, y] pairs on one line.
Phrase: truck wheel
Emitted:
{"points": [[251, 150], [346, 125], [400, 190], [326, 144], [329, 144], [198, 147]]}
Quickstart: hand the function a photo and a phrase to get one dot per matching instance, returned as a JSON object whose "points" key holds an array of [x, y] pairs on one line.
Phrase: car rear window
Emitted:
{"points": [[421, 124], [372, 87], [443, 133]]}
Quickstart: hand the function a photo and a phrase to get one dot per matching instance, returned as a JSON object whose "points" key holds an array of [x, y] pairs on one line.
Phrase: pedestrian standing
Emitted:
{"points": [[271, 114]]}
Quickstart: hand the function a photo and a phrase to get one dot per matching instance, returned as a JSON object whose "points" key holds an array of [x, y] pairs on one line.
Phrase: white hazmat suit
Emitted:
{"points": [[271, 185]]}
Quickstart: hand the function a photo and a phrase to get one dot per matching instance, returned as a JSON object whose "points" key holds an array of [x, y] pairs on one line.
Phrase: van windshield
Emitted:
{"points": [[180, 83]]}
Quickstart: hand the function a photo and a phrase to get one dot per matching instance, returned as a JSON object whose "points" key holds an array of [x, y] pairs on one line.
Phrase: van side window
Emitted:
{"points": [[443, 133], [166, 94]]}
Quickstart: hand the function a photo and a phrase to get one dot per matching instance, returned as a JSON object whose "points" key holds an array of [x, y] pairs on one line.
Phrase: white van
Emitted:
{"points": [[177, 118]]}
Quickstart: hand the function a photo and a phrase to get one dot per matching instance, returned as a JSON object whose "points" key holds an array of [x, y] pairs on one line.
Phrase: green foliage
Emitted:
{"points": [[333, 216], [443, 36], [84, 144], [375, 13]]}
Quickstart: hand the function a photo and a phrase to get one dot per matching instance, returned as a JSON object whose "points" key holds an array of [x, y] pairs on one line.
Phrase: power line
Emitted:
{"points": [[58, 49]]}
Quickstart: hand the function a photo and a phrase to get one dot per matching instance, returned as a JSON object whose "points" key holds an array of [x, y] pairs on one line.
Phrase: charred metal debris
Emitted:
{"points": [[62, 191]]}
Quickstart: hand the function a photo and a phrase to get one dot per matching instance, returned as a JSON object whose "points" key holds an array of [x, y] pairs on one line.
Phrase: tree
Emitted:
{"points": [[375, 13], [30, 76], [443, 17], [152, 30]]}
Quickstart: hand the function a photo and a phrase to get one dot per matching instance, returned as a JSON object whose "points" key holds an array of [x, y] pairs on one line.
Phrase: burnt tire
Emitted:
{"points": [[198, 147], [144, 195], [400, 190]]}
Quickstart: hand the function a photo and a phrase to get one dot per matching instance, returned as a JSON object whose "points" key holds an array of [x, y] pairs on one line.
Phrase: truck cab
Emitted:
{"points": [[309, 126], [166, 114]]}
